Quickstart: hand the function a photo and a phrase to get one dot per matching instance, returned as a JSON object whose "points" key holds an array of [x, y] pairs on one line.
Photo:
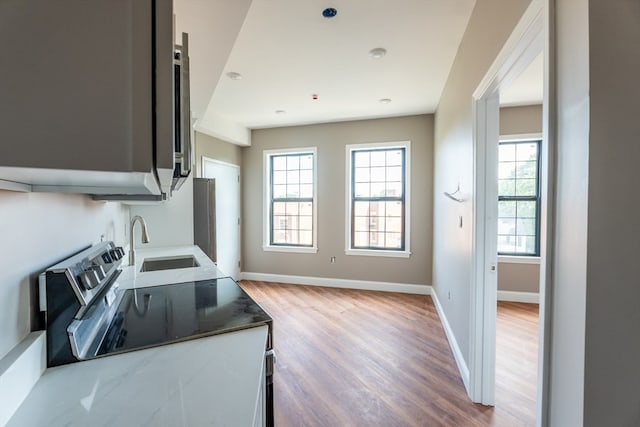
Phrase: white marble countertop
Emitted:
{"points": [[209, 381], [132, 277]]}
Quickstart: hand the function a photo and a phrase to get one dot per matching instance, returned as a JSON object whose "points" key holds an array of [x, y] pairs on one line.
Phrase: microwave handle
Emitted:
{"points": [[185, 106]]}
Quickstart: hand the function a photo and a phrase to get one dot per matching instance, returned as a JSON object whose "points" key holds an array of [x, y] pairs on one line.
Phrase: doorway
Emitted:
{"points": [[227, 204], [526, 42]]}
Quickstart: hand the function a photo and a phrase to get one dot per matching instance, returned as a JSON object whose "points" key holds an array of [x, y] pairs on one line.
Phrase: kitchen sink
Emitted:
{"points": [[169, 263]]}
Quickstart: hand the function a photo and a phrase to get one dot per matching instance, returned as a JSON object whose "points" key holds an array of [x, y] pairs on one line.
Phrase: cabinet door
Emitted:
{"points": [[77, 84]]}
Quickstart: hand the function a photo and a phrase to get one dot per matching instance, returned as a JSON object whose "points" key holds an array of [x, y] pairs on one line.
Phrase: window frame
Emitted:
{"points": [[267, 202], [523, 139], [395, 253]]}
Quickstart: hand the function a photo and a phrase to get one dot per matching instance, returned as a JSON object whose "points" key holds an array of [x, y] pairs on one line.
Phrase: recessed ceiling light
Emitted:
{"points": [[279, 112], [384, 101], [378, 52], [234, 76]]}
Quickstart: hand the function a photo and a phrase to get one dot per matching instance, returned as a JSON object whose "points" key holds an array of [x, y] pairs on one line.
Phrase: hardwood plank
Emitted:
{"points": [[362, 358]]}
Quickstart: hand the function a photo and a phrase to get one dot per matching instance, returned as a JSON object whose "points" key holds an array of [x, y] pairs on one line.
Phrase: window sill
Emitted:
{"points": [[514, 259], [379, 253], [291, 249]]}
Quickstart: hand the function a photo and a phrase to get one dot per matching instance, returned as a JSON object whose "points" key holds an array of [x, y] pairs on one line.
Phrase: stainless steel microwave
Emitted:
{"points": [[95, 98]]}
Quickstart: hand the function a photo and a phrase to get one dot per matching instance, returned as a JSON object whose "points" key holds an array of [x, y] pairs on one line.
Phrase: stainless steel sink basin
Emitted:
{"points": [[169, 263]]}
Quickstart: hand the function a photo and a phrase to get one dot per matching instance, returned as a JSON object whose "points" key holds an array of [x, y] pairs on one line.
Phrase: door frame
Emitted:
{"points": [[529, 38], [206, 160]]}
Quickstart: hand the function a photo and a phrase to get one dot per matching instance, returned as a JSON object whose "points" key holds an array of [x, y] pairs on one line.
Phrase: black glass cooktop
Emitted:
{"points": [[157, 315]]}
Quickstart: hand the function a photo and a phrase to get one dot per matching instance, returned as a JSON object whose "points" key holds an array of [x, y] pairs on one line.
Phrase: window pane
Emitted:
{"points": [[306, 191], [306, 161], [378, 158], [293, 177], [279, 177], [361, 208], [526, 170], [361, 159], [376, 223], [293, 162], [506, 244], [506, 226], [506, 208], [362, 190], [526, 187], [279, 163], [306, 223], [394, 208], [506, 170], [507, 152], [279, 222], [306, 208], [526, 227], [394, 240], [292, 208], [377, 189], [526, 151], [361, 239], [507, 187], [306, 176], [362, 175], [279, 208], [293, 191], [394, 157], [394, 224], [361, 223], [377, 208], [394, 174], [279, 191], [526, 209], [394, 189], [306, 238], [378, 174]]}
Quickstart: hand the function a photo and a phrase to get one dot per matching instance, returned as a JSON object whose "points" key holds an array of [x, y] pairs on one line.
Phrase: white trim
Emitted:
{"points": [[15, 186], [20, 369], [291, 249], [453, 343], [219, 162], [266, 196], [513, 296], [521, 137], [407, 199], [512, 259], [523, 45], [368, 285], [372, 252]]}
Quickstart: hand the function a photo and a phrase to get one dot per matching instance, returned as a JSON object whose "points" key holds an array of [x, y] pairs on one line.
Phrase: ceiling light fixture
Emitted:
{"points": [[234, 76], [378, 52], [280, 112], [384, 101], [329, 12]]}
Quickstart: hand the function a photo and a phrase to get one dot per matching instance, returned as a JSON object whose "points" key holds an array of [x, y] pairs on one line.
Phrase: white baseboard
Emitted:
{"points": [[512, 296], [405, 288], [20, 369], [453, 343]]}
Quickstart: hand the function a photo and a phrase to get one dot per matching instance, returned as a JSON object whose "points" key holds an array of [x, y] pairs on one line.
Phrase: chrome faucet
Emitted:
{"points": [[145, 237]]}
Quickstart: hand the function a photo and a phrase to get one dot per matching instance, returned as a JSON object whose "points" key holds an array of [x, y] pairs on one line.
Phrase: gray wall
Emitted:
{"points": [[216, 149], [516, 277], [490, 25], [37, 231], [612, 345], [330, 140]]}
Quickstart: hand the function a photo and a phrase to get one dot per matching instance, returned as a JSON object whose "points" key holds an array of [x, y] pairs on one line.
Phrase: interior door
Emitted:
{"points": [[227, 178]]}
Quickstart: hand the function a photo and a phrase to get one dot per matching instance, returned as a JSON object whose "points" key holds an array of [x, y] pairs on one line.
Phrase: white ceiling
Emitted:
{"points": [[286, 52]]}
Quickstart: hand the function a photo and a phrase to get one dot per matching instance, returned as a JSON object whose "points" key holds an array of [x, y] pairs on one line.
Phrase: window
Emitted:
{"points": [[290, 200], [377, 199], [519, 198]]}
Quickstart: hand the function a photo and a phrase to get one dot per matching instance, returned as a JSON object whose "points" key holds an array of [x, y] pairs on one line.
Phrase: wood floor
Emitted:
{"points": [[362, 358]]}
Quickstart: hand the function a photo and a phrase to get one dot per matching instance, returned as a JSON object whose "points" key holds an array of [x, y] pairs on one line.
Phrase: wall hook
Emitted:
{"points": [[453, 196]]}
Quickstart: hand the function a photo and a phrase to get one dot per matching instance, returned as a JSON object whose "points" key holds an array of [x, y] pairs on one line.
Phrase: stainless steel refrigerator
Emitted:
{"points": [[204, 215]]}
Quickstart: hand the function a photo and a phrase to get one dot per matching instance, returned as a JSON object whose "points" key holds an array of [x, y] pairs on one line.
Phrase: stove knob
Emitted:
{"points": [[89, 278], [120, 251], [114, 254], [99, 271]]}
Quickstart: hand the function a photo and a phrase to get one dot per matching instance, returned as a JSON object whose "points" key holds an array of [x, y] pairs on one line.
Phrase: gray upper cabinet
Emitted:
{"points": [[86, 96]]}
